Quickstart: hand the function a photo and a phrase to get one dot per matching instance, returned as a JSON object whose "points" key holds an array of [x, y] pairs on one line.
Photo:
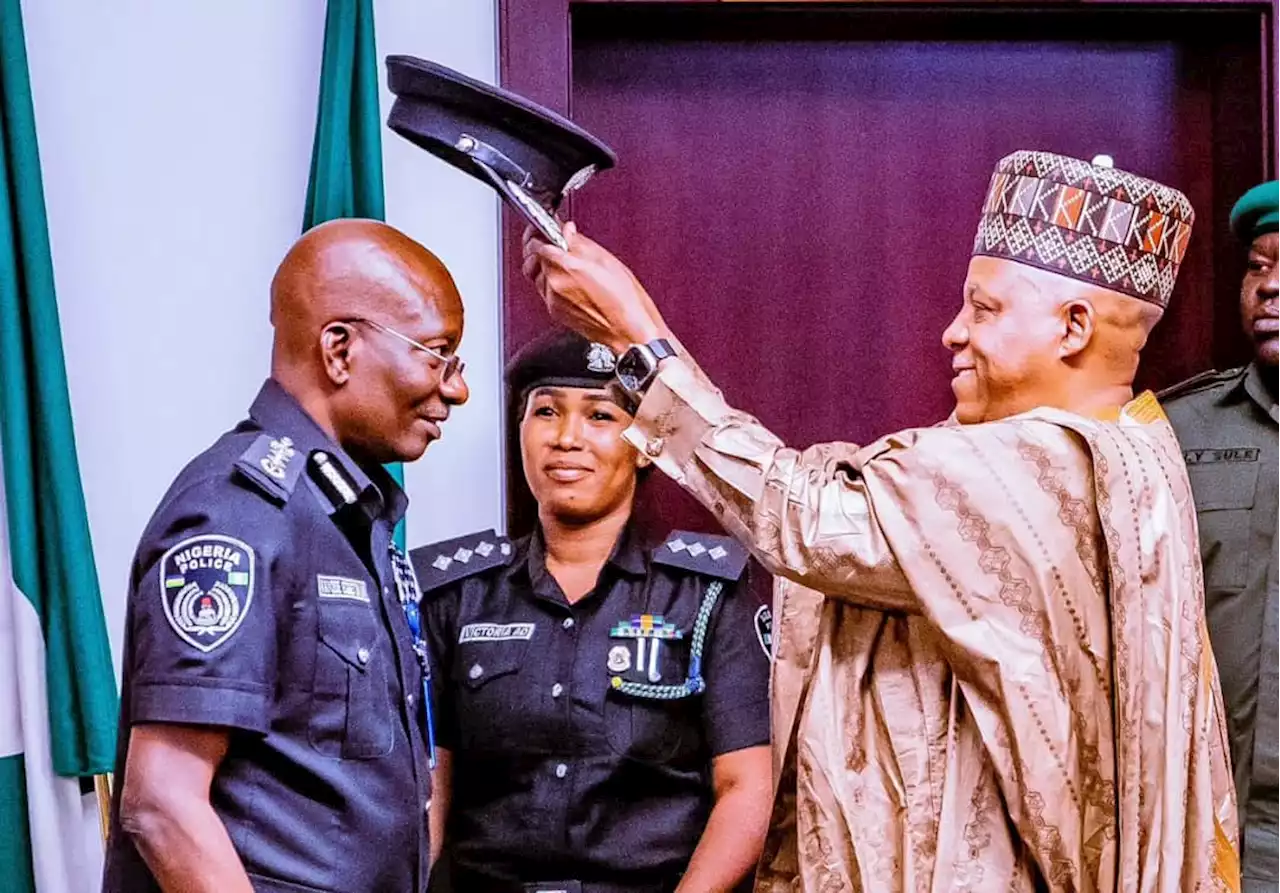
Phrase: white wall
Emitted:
{"points": [[175, 142], [457, 488]]}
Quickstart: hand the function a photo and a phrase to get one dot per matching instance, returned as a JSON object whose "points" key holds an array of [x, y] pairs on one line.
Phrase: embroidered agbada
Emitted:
{"points": [[991, 666]]}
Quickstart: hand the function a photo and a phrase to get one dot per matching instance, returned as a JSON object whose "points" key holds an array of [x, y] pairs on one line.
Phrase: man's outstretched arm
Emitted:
{"points": [[804, 514]]}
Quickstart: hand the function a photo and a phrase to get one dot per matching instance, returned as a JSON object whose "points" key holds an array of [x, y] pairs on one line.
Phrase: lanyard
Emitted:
{"points": [[410, 596]]}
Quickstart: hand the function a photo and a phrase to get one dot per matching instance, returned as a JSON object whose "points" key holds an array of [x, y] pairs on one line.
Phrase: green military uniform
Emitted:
{"points": [[1227, 424]]}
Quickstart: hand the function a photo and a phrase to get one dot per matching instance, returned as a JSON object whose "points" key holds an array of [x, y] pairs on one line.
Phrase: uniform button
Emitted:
{"points": [[653, 448], [567, 623], [561, 770], [362, 655], [556, 690], [476, 671], [409, 699]]}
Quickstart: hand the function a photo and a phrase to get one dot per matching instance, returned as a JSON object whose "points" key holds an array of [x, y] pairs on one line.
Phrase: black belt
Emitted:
{"points": [[458, 881], [596, 887]]}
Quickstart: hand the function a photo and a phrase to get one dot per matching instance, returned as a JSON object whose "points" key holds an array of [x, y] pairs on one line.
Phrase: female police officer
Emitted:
{"points": [[602, 708]]}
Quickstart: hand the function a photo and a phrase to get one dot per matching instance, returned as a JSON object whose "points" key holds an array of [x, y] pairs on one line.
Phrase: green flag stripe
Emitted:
{"points": [[49, 543], [15, 830], [346, 157]]}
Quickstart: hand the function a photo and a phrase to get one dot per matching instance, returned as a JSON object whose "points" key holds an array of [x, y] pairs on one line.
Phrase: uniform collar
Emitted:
{"points": [[629, 553], [628, 556], [276, 411], [1256, 388]]}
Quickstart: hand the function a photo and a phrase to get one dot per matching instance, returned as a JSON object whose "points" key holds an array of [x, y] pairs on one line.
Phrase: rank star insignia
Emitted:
{"points": [[206, 584]]}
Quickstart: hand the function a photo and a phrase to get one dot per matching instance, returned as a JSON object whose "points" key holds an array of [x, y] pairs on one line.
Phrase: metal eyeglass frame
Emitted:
{"points": [[453, 365]]}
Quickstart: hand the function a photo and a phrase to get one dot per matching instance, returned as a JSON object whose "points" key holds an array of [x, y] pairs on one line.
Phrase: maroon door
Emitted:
{"points": [[799, 186]]}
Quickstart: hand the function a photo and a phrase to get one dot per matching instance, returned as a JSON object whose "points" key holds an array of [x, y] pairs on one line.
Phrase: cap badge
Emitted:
{"points": [[600, 358]]}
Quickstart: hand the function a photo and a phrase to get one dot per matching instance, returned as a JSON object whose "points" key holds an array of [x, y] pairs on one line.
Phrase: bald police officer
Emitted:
{"points": [[1227, 423], [272, 726]]}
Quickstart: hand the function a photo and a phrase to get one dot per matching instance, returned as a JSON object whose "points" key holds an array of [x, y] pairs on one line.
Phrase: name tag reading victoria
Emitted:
{"points": [[495, 632]]}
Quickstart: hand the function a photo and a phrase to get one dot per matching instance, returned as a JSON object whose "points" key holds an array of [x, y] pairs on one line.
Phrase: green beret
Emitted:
{"points": [[1256, 213]]}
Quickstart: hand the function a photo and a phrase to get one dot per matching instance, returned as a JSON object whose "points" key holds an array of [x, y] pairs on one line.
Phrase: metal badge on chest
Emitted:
{"points": [[635, 655]]}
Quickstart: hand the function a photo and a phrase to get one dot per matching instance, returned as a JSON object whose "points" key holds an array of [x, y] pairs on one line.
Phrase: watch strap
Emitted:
{"points": [[661, 348]]}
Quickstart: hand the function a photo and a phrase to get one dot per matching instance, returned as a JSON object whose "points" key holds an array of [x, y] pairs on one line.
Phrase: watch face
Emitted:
{"points": [[628, 382], [631, 369]]}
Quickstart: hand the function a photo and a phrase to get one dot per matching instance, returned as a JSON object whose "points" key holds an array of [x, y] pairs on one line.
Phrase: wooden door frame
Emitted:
{"points": [[536, 59], [535, 39]]}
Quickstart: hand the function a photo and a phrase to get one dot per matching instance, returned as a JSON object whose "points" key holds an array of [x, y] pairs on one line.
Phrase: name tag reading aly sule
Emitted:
{"points": [[495, 632], [1213, 457]]}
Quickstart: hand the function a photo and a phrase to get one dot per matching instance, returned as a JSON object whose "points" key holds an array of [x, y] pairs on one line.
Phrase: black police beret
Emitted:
{"points": [[559, 358], [529, 154]]}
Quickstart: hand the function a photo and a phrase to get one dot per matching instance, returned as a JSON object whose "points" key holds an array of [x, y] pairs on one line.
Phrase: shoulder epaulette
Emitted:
{"points": [[1201, 382], [703, 553], [273, 464], [440, 564]]}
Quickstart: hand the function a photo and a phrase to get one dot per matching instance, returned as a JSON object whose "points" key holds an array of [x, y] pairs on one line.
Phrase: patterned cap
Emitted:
{"points": [[1089, 222]]}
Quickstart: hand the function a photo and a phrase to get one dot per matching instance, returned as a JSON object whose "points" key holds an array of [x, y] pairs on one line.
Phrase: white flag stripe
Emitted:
{"points": [[65, 858]]}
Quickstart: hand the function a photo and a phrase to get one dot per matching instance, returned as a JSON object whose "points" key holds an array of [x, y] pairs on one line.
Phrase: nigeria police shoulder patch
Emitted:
{"points": [[206, 584], [764, 630]]}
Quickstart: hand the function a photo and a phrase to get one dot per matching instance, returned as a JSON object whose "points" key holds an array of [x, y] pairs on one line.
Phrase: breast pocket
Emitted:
{"points": [[1224, 494], [647, 717], [351, 710], [489, 692]]}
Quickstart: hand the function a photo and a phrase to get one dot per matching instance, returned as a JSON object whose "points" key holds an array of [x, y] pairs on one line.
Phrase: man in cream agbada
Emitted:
{"points": [[991, 665]]}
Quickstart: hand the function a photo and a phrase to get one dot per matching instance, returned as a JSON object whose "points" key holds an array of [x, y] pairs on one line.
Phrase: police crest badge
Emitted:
{"points": [[206, 584], [600, 358]]}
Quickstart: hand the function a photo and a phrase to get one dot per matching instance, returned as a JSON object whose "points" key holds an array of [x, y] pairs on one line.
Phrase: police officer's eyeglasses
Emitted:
{"points": [[453, 365]]}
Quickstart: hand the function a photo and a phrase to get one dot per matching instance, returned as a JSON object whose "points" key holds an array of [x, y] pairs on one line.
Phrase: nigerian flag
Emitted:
{"points": [[57, 686], [346, 157]]}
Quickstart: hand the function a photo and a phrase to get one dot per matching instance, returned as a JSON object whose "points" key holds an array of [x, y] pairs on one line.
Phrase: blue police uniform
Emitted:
{"points": [[264, 600], [582, 735]]}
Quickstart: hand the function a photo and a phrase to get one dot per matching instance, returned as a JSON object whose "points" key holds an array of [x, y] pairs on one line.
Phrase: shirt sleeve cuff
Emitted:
{"points": [[205, 702], [738, 727], [679, 408]]}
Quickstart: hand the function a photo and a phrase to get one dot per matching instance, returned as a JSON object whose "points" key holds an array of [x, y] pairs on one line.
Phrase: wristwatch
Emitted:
{"points": [[638, 367]]}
